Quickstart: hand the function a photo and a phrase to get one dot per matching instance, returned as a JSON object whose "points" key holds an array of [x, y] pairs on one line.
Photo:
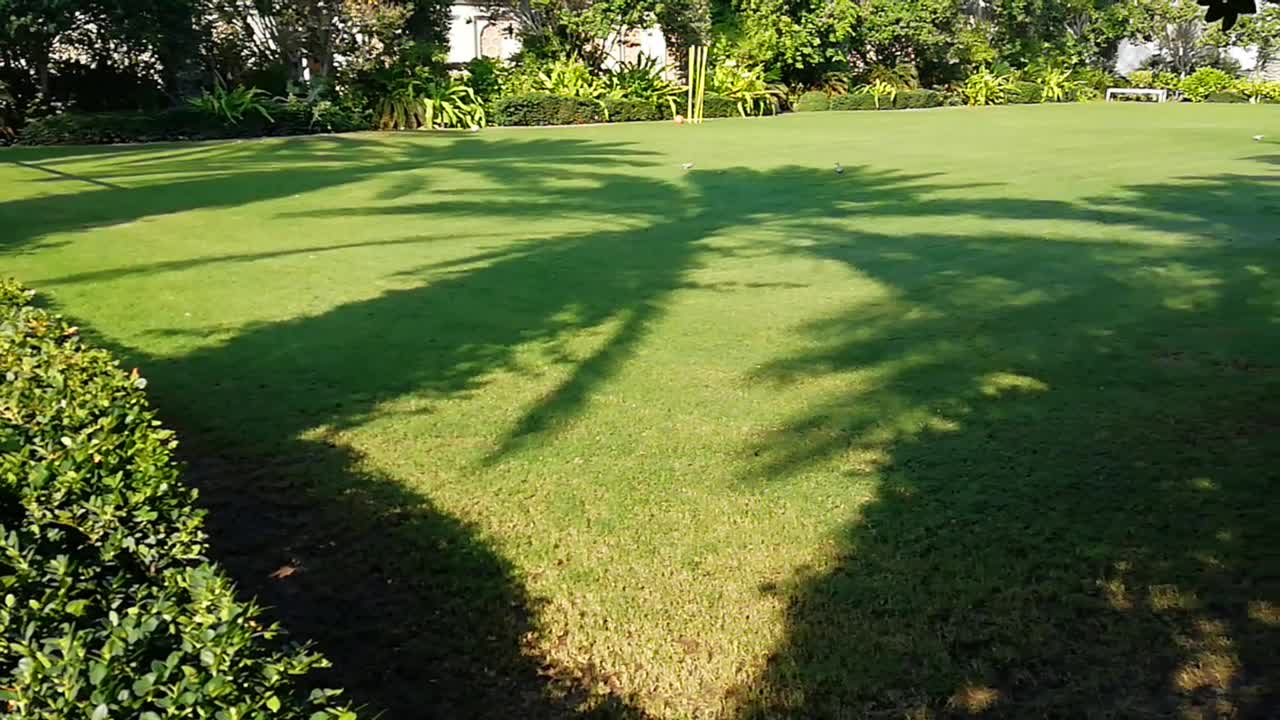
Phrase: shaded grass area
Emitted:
{"points": [[539, 424]]}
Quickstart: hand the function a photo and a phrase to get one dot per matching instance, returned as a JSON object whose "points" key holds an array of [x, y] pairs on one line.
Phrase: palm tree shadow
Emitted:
{"points": [[420, 616], [1075, 447]]}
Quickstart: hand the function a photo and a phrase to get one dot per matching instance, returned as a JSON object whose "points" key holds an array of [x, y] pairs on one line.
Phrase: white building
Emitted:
{"points": [[475, 32]]}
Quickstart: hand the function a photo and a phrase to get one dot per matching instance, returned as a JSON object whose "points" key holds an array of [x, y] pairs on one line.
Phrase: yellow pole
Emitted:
{"points": [[702, 80], [697, 79], [688, 115], [702, 86]]}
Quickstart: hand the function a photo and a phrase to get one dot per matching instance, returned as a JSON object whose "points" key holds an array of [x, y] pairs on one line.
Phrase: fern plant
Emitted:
{"points": [[986, 88], [450, 104], [746, 87], [879, 89], [572, 78], [1057, 84], [230, 105], [418, 99], [642, 80]]}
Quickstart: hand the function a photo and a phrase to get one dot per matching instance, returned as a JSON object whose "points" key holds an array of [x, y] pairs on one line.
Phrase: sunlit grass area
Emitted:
{"points": [[533, 423]]}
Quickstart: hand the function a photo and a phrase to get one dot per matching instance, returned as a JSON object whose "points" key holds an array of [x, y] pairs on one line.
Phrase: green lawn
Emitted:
{"points": [[529, 422]]}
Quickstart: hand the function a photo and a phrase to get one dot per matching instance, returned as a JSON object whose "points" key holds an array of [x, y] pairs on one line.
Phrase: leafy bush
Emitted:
{"points": [[1142, 79], [292, 116], [882, 93], [719, 106], [905, 76], [1092, 83], [546, 109], [1258, 91], [1167, 81], [231, 105], [813, 101], [747, 87], [642, 80], [111, 608], [915, 99], [633, 110], [854, 101], [1204, 82], [8, 115], [486, 77], [1057, 84], [1024, 92], [1226, 97], [569, 78], [415, 98], [986, 87]]}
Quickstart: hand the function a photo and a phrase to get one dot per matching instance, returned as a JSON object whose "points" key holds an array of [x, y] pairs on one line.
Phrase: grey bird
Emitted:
{"points": [[839, 169], [1257, 138], [687, 166]]}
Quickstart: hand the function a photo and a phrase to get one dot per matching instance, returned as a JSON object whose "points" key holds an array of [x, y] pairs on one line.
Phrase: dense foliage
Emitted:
{"points": [[110, 607], [382, 62], [276, 117]]}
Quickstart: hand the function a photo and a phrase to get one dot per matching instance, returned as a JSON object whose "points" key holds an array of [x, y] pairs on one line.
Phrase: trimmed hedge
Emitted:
{"points": [[1024, 92], [627, 110], [718, 106], [813, 101], [544, 109], [856, 101], [1226, 97], [109, 607], [904, 100], [188, 123], [916, 99]]}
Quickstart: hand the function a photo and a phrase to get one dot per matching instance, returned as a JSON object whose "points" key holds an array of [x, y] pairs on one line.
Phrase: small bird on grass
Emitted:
{"points": [[1257, 138], [839, 169], [687, 166]]}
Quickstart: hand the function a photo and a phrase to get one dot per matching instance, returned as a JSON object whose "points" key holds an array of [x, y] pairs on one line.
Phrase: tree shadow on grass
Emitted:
{"points": [[150, 181], [421, 618], [1076, 447], [1018, 532]]}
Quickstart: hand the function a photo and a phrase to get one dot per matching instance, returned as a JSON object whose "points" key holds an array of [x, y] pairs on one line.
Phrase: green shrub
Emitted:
{"points": [[1023, 92], [719, 106], [1229, 96], [751, 93], [294, 116], [633, 110], [1168, 81], [1204, 82], [813, 101], [109, 607], [855, 101], [643, 81], [986, 87], [544, 109], [230, 105], [915, 99], [1258, 91], [1142, 79]]}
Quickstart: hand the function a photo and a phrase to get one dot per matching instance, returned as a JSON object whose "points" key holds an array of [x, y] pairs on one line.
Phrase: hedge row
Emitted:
{"points": [[543, 109], [188, 123], [903, 100], [109, 607]]}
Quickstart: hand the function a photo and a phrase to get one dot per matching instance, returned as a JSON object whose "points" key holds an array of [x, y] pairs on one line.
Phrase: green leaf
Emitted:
{"points": [[273, 704], [100, 713]]}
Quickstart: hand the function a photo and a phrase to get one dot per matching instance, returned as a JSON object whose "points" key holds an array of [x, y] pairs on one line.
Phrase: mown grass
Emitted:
{"points": [[534, 423]]}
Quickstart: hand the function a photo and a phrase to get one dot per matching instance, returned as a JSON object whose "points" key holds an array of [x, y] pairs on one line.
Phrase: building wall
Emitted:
{"points": [[473, 34]]}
